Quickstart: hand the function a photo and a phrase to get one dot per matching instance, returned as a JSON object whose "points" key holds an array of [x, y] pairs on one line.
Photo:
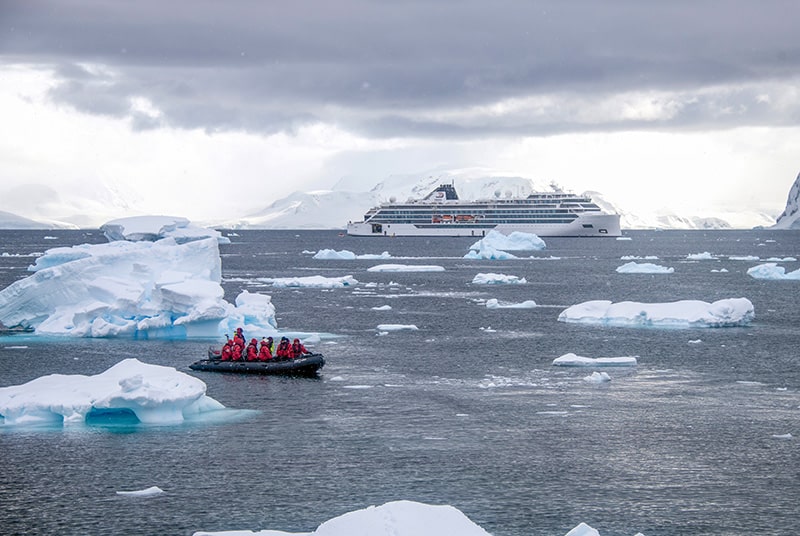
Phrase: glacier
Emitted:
{"points": [[167, 287]]}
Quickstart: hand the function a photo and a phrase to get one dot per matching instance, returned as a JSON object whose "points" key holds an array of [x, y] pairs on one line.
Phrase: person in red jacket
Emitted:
{"points": [[284, 350], [227, 350], [238, 337], [236, 351], [298, 350], [252, 350], [265, 353]]}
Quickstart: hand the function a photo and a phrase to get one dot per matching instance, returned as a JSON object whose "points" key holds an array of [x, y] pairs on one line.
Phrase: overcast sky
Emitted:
{"points": [[193, 107]]}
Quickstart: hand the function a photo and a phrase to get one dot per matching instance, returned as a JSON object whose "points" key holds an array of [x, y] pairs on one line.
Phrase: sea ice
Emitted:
{"points": [[153, 393], [516, 241], [311, 281], [493, 303], [497, 279], [680, 314], [382, 308], [572, 360], [772, 271], [705, 256], [644, 268], [396, 327], [149, 492], [331, 254], [406, 268], [397, 518]]}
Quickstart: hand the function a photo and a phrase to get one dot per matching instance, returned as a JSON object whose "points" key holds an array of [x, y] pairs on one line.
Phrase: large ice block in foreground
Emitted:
{"points": [[680, 314], [154, 394], [141, 289]]}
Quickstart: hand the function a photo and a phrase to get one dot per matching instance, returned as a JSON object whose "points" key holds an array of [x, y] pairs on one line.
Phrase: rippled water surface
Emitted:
{"points": [[467, 410]]}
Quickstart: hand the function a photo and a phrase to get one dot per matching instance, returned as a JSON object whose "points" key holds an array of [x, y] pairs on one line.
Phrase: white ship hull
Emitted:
{"points": [[601, 225]]}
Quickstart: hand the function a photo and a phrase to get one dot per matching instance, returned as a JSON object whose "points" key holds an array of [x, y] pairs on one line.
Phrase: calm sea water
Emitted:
{"points": [[466, 411]]}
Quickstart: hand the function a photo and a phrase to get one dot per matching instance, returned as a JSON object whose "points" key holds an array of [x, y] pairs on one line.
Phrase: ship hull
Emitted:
{"points": [[585, 225]]}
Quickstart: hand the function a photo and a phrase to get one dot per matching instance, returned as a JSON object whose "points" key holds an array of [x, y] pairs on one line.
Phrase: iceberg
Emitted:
{"points": [[597, 377], [705, 256], [643, 268], [406, 268], [493, 303], [331, 254], [772, 271], [497, 279], [680, 314], [152, 228], [157, 286], [396, 518], [516, 241], [487, 252], [396, 327], [152, 491], [311, 281], [572, 360], [154, 394]]}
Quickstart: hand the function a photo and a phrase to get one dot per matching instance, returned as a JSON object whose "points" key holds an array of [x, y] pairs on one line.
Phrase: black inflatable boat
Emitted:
{"points": [[307, 365]]}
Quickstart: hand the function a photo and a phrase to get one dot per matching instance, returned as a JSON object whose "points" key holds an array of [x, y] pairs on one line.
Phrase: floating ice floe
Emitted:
{"points": [[143, 289], [772, 271], [331, 254], [152, 228], [493, 303], [152, 491], [406, 268], [516, 241], [782, 259], [153, 393], [721, 270], [572, 360], [396, 327], [705, 256], [680, 314], [597, 377], [644, 268], [487, 252], [624, 238], [498, 279], [311, 281], [638, 258], [744, 257], [397, 518], [782, 436], [382, 308]]}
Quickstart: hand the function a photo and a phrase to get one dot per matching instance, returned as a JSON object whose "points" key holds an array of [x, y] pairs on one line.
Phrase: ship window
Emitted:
{"points": [[377, 228], [587, 225]]}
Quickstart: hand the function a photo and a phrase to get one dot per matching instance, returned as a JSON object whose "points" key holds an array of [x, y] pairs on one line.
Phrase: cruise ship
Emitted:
{"points": [[442, 213]]}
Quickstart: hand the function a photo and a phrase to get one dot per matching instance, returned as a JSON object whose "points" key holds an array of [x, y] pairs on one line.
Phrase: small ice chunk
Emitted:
{"points": [[148, 492]]}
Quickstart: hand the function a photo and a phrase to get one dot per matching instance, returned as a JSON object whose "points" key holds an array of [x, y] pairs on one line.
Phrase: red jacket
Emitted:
{"points": [[252, 352], [226, 352], [284, 349], [298, 349], [236, 353], [264, 354]]}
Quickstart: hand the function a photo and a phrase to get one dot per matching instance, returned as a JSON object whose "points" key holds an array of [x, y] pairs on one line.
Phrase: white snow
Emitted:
{"points": [[152, 228], [397, 518], [153, 393], [331, 254], [644, 268], [516, 241], [772, 271], [680, 314], [396, 327], [311, 281], [572, 360], [138, 289], [493, 303], [497, 279], [152, 491], [406, 268], [790, 217]]}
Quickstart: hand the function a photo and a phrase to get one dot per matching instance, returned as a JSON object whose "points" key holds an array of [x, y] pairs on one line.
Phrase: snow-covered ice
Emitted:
{"points": [[644, 268], [153, 393], [772, 271], [397, 518], [382, 308], [311, 281], [332, 254], [497, 279], [493, 303], [140, 289], [152, 228], [396, 327], [406, 268], [152, 491], [515, 241], [680, 314], [704, 256], [488, 252], [572, 360], [597, 377]]}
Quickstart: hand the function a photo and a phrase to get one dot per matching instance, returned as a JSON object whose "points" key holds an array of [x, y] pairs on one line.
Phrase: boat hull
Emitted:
{"points": [[307, 365], [600, 225]]}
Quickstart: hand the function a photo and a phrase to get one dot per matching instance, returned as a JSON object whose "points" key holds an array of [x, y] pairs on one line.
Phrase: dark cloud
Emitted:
{"points": [[386, 68]]}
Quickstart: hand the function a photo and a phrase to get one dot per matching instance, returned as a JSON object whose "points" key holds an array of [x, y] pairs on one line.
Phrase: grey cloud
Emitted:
{"points": [[384, 68]]}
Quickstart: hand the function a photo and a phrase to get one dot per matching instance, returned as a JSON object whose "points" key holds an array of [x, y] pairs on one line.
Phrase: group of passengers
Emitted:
{"points": [[235, 349]]}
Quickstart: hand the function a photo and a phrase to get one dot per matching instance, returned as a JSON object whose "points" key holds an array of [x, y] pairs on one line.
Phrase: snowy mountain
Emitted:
{"points": [[790, 217], [12, 221]]}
